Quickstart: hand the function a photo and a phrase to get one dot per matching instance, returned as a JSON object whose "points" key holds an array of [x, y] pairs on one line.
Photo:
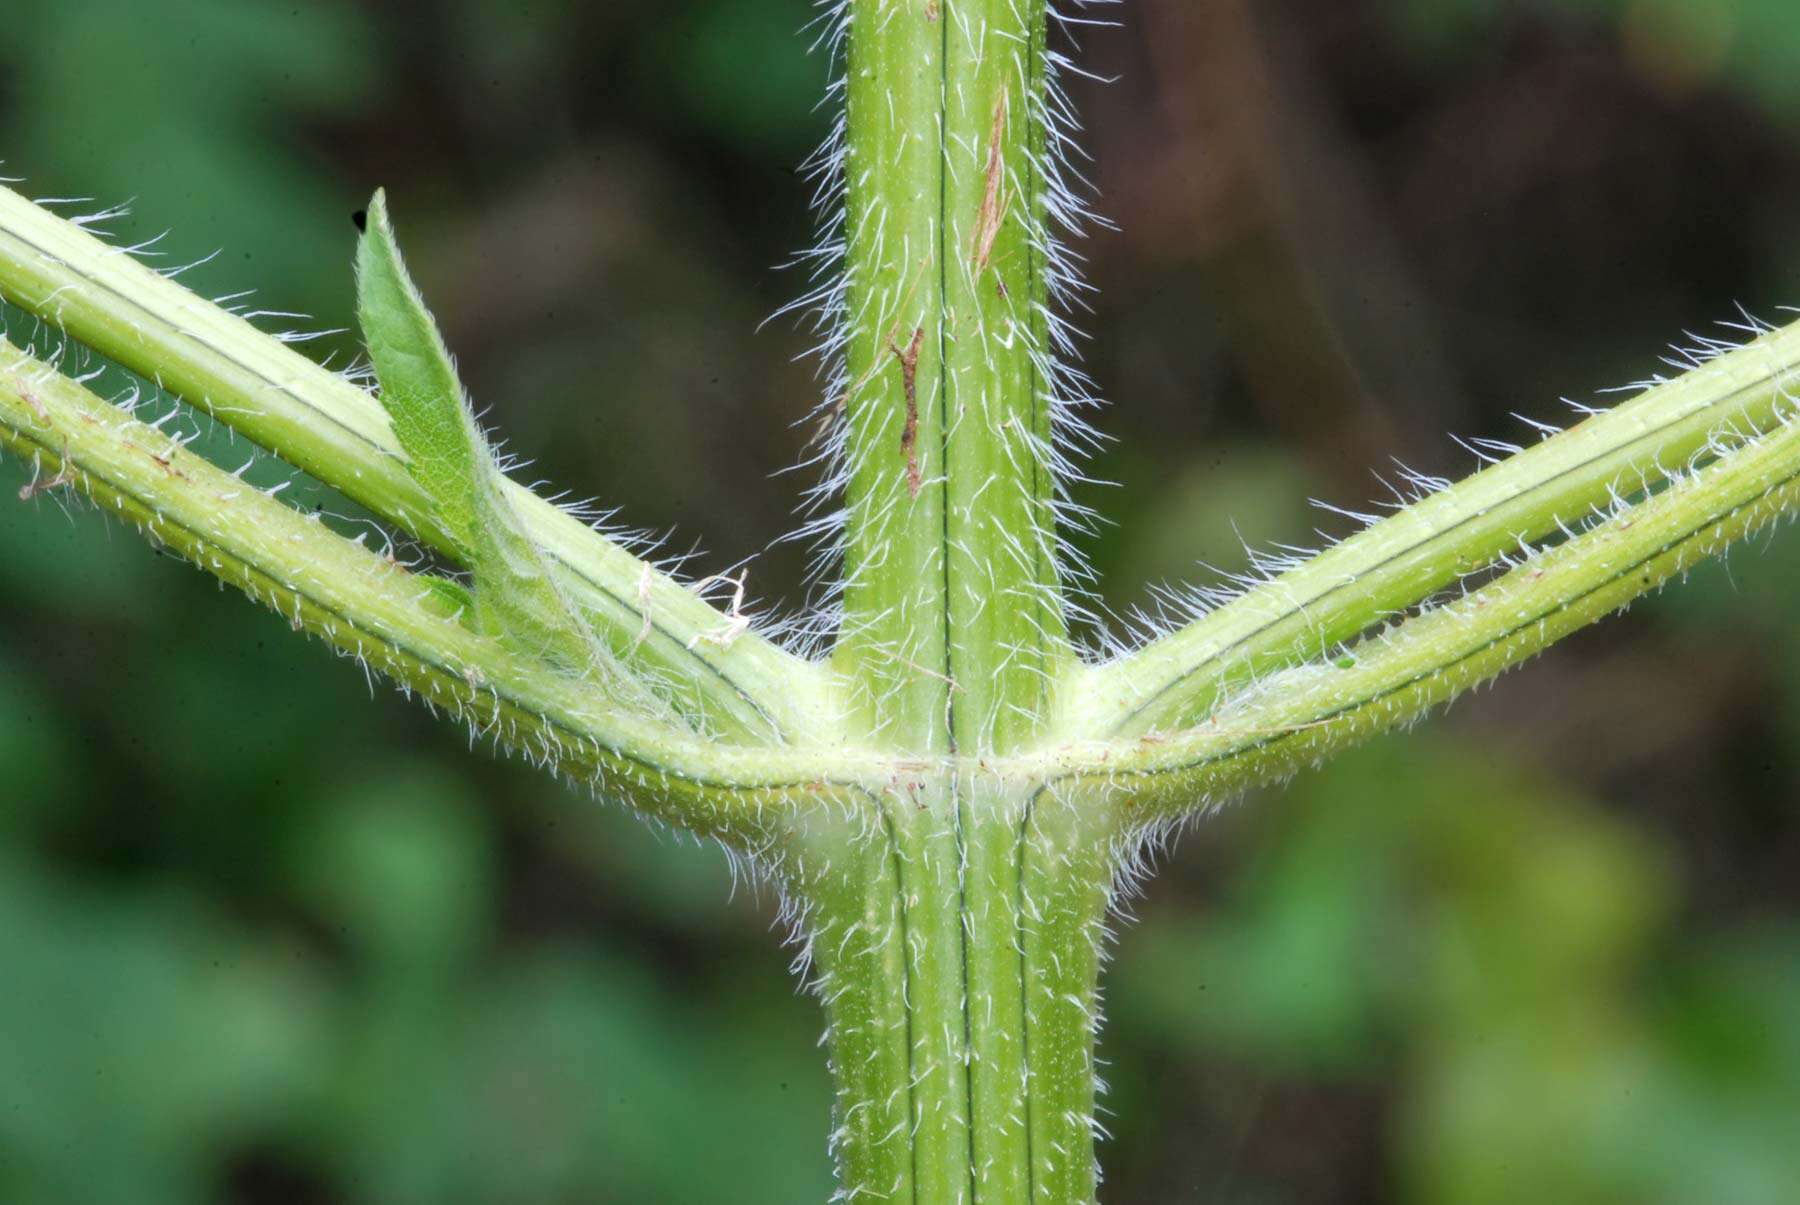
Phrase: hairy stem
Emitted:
{"points": [[952, 622], [1175, 681], [1300, 716], [856, 931], [744, 688], [944, 801], [894, 645], [965, 1068], [952, 630], [999, 539], [375, 610], [1069, 843]]}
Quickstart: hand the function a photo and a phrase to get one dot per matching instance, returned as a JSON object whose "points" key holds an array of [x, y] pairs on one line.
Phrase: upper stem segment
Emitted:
{"points": [[952, 619]]}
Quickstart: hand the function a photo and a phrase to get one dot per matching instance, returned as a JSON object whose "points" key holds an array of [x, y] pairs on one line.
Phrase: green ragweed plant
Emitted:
{"points": [[948, 784]]}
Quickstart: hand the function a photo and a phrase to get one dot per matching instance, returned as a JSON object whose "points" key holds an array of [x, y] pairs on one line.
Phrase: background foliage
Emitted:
{"points": [[268, 939]]}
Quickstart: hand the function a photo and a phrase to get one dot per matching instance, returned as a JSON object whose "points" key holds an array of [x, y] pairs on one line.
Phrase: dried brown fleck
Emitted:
{"points": [[165, 463], [994, 200], [31, 399], [909, 434], [841, 406], [65, 475], [932, 11], [24, 391]]}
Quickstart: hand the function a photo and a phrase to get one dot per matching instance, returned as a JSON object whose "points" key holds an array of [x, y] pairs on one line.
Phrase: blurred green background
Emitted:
{"points": [[266, 937]]}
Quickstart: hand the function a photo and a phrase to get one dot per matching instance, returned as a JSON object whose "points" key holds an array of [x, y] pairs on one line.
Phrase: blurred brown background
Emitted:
{"points": [[267, 939]]}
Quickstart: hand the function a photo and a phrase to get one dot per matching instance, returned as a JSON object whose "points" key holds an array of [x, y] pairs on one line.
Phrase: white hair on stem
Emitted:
{"points": [[1063, 215]]}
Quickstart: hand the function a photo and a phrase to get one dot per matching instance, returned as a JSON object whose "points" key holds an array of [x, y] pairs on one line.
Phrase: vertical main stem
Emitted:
{"points": [[1000, 578], [963, 1016], [1067, 860], [952, 616], [952, 627], [894, 643]]}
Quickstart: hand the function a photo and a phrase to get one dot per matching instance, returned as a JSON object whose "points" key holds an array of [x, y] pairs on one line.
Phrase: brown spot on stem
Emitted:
{"points": [[909, 434], [65, 475], [841, 406], [31, 399], [994, 200], [37, 407], [165, 463]]}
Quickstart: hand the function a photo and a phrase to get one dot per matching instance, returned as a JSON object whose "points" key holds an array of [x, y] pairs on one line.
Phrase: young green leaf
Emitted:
{"points": [[517, 597], [419, 386]]}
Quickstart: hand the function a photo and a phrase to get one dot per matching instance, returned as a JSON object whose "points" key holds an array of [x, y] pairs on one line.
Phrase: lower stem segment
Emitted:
{"points": [[958, 952]]}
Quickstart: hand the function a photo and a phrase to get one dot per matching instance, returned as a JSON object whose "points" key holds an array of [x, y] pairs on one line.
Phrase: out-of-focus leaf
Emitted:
{"points": [[729, 63], [398, 864], [137, 1035]]}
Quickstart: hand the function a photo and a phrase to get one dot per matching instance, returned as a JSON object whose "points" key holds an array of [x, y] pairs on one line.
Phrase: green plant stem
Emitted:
{"points": [[951, 614], [744, 688], [925, 820], [1297, 717], [383, 614], [1070, 851], [894, 641], [999, 540], [947, 800], [378, 612], [952, 620], [856, 930], [996, 847], [1172, 683], [967, 1077]]}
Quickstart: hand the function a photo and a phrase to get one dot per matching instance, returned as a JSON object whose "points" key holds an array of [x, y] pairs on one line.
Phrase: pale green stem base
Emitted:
{"points": [[957, 952]]}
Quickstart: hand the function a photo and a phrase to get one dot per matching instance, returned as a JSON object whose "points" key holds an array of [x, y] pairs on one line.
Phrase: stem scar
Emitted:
{"points": [[65, 475], [909, 434], [995, 200], [30, 399], [842, 405]]}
